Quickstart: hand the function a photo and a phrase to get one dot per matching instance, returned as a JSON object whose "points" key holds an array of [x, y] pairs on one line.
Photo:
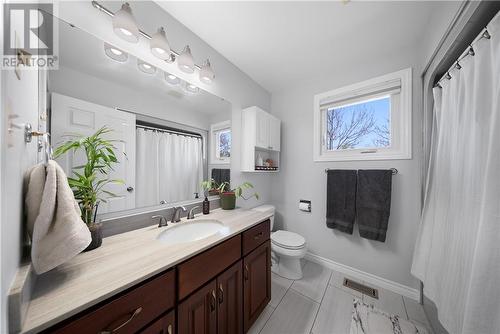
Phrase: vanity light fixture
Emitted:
{"points": [[145, 67], [190, 88], [185, 60], [172, 79], [207, 75], [159, 45], [124, 24], [115, 53]]}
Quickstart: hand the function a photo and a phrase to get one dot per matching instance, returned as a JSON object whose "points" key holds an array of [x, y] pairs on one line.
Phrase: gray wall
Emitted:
{"points": [[301, 178]]}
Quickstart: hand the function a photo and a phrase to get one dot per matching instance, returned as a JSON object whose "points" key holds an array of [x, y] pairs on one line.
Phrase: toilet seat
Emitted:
{"points": [[288, 240]]}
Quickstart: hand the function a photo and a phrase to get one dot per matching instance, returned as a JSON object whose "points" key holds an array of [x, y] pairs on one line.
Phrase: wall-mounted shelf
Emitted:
{"points": [[261, 133]]}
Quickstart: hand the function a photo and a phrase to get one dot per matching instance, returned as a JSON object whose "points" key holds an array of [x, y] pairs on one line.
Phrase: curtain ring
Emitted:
{"points": [[486, 34], [458, 66], [471, 51], [448, 76]]}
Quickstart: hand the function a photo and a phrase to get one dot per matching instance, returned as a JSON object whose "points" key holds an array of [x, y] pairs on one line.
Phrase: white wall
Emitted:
{"points": [[111, 94], [301, 178], [230, 83]]}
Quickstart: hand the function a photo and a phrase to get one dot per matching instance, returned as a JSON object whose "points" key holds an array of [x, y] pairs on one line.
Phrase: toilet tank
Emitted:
{"points": [[267, 209]]}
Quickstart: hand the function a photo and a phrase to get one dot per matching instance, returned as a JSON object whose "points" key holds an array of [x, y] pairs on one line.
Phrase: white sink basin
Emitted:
{"points": [[190, 231]]}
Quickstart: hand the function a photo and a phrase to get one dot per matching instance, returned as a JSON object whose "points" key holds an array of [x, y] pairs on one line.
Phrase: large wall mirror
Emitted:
{"points": [[169, 135]]}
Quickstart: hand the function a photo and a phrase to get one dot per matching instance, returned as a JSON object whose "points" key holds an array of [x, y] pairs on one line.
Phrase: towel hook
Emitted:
{"points": [[29, 133], [44, 143]]}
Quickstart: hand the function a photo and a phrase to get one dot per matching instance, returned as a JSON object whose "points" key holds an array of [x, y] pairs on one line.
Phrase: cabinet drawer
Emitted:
{"points": [[129, 312], [255, 236], [163, 325], [203, 267]]}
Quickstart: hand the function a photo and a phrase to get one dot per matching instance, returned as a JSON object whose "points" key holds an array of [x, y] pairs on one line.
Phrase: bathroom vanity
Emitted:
{"points": [[219, 284]]}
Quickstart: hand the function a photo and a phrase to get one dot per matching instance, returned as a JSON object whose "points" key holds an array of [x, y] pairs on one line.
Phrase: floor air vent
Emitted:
{"points": [[366, 290]]}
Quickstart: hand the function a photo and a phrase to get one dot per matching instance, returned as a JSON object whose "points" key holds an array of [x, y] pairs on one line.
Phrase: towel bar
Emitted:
{"points": [[394, 170]]}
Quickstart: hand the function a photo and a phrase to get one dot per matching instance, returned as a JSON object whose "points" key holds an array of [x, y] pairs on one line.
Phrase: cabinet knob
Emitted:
{"points": [[246, 272], [169, 329], [130, 189]]}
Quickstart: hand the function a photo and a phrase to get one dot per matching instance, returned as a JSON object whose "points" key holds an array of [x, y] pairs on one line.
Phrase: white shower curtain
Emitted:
{"points": [[457, 254], [169, 167]]}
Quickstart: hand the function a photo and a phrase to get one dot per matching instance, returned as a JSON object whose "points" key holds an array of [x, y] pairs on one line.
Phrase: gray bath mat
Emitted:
{"points": [[368, 320]]}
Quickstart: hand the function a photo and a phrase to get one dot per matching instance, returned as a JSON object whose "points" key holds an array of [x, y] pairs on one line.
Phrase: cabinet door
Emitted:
{"points": [[198, 313], [274, 133], [262, 135], [164, 325], [256, 283], [230, 300]]}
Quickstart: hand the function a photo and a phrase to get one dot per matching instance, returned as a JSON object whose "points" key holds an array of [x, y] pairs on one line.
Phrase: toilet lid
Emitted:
{"points": [[288, 239]]}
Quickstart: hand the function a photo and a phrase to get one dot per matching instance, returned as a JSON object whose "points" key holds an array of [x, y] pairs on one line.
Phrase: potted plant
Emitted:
{"points": [[89, 180], [227, 195]]}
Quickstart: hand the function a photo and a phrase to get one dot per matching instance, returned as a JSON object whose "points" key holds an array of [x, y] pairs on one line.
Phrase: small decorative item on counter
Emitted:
{"points": [[227, 195], [89, 181], [260, 161], [269, 163], [206, 206]]}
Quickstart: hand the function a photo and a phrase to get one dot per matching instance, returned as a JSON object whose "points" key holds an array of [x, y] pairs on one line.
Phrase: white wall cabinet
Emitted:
{"points": [[261, 134]]}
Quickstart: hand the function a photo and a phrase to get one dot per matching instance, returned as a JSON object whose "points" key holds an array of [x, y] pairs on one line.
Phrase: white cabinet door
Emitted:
{"points": [[274, 133], [74, 116], [262, 124]]}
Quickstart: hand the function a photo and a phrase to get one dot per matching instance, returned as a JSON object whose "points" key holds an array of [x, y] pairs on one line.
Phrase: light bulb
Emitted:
{"points": [[185, 60], [114, 53], [124, 24], [145, 67], [207, 75], [172, 79], [159, 44]]}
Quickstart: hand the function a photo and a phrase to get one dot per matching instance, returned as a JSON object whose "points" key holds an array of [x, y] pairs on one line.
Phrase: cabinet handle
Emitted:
{"points": [[213, 301], [132, 316], [246, 272], [169, 329], [221, 294], [258, 235]]}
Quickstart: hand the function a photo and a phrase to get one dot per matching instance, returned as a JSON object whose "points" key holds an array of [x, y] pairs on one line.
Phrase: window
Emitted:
{"points": [[221, 146], [366, 121]]}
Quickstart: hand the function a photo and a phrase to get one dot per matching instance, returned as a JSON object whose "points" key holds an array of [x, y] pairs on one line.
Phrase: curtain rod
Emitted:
{"points": [[145, 127], [394, 170], [465, 54]]}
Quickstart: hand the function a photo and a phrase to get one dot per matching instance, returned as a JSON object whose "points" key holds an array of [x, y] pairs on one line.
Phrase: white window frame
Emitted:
{"points": [[401, 112], [214, 129]]}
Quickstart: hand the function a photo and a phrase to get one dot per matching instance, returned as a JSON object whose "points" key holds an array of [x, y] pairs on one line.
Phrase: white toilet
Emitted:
{"points": [[287, 249]]}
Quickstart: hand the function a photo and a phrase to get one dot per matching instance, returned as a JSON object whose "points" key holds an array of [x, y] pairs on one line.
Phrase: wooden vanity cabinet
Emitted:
{"points": [[256, 283], [198, 313], [217, 307], [164, 325], [222, 290]]}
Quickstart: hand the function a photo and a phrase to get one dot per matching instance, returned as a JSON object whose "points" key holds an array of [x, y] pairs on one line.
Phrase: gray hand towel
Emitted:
{"points": [[373, 203], [341, 200]]}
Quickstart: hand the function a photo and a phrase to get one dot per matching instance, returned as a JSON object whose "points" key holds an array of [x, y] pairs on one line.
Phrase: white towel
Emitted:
{"points": [[53, 218]]}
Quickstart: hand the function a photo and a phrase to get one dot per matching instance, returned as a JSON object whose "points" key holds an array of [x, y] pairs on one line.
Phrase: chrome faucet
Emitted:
{"points": [[191, 212], [162, 219], [176, 217]]}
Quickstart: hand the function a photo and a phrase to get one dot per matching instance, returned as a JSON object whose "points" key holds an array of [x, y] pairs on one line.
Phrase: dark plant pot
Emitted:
{"points": [[96, 233], [228, 201]]}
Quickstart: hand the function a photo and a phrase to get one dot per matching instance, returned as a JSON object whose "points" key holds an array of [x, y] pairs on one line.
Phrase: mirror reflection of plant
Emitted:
{"points": [[90, 179], [225, 187]]}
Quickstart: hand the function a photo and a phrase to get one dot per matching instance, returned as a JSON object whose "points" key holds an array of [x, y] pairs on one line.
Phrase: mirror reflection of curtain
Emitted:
{"points": [[169, 167], [457, 252]]}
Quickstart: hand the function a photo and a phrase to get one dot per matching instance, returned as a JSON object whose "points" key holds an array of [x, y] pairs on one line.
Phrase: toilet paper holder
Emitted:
{"points": [[305, 205]]}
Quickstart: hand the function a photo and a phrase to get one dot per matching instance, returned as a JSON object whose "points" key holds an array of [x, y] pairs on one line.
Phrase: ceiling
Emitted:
{"points": [[279, 43]]}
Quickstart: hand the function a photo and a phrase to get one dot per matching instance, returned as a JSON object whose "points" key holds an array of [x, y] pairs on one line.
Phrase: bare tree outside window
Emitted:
{"points": [[361, 125], [224, 144]]}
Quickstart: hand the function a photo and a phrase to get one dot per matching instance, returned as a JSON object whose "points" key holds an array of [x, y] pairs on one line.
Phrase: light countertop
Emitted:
{"points": [[122, 261]]}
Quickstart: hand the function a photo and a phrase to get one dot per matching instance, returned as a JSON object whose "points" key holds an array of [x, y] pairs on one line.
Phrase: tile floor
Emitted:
{"points": [[320, 304]]}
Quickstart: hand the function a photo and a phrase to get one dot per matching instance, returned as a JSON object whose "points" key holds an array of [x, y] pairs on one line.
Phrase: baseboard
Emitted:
{"points": [[366, 277]]}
